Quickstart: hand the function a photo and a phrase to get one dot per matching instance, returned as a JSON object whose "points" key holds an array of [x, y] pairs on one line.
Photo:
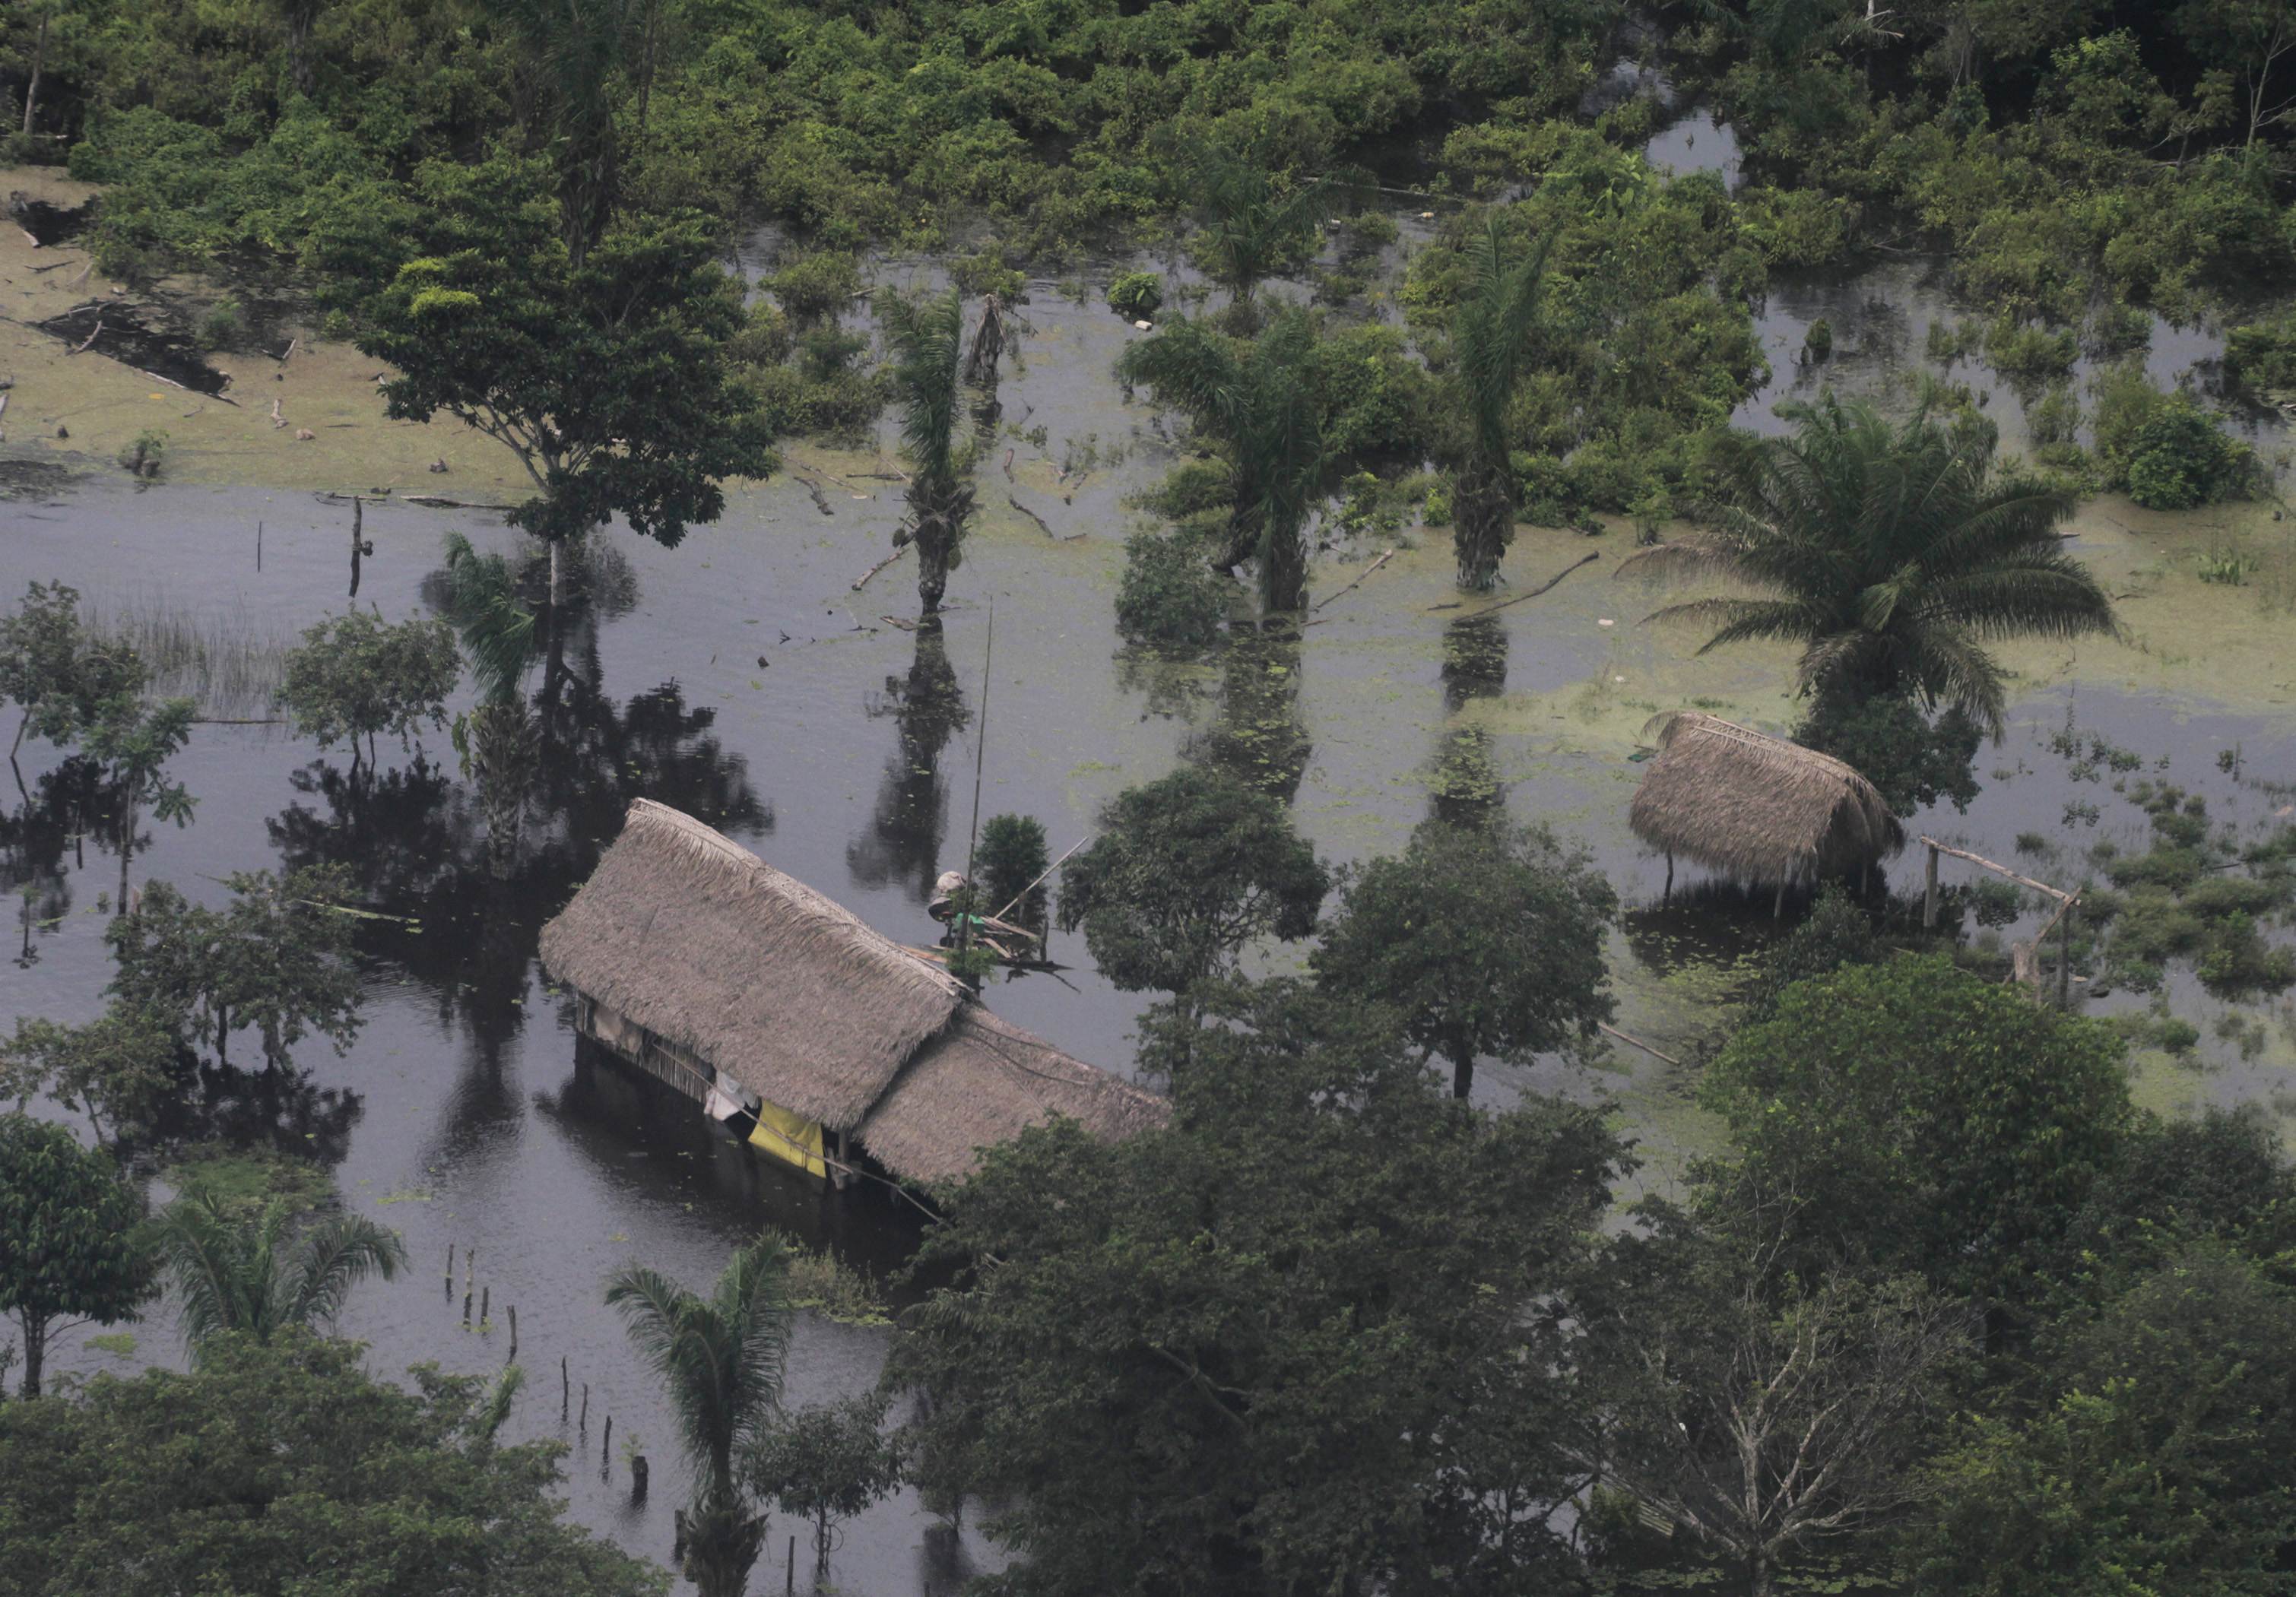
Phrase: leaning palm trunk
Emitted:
{"points": [[1482, 522], [505, 751]]}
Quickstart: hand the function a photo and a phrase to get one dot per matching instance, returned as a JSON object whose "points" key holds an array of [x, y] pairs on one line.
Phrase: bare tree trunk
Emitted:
{"points": [[36, 1352], [39, 60]]}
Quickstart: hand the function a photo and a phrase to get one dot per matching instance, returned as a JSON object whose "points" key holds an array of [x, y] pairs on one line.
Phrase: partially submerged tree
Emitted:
{"points": [[1485, 942], [1251, 228], [285, 1467], [69, 1248], [278, 958], [1257, 400], [720, 1360], [255, 1275], [606, 377], [1892, 554], [1492, 333], [114, 1069], [63, 675], [132, 743], [355, 676], [827, 1462], [1185, 871], [928, 342]]}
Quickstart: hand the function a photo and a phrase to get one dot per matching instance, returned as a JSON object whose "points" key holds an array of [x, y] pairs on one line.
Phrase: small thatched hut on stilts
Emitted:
{"points": [[1762, 808], [698, 962]]}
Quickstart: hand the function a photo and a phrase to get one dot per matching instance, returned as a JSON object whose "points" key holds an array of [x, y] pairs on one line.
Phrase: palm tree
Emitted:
{"points": [[721, 1358], [1892, 554], [572, 50], [500, 746], [1257, 400], [1249, 229], [928, 342], [1491, 332], [235, 1272]]}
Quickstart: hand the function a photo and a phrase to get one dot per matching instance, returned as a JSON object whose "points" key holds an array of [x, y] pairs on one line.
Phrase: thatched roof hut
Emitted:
{"points": [[699, 962], [1758, 808]]}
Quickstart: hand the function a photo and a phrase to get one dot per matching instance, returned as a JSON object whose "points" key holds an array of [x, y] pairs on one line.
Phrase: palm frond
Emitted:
{"points": [[721, 1359], [201, 1249], [489, 1421], [1951, 670], [928, 342], [1194, 369], [333, 1256]]}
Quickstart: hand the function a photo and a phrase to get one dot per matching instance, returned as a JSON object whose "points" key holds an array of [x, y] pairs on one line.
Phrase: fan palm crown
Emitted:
{"points": [[1892, 553], [249, 1274]]}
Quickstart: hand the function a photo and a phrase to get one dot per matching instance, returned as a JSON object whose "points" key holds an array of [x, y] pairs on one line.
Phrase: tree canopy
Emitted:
{"points": [[1316, 1319], [1487, 942], [1925, 1120], [355, 676], [1187, 870], [279, 1468], [605, 378], [1892, 554], [71, 1248]]}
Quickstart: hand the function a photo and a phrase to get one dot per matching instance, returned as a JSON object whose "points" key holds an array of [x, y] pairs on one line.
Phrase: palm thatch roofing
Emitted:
{"points": [[691, 936], [1758, 808], [983, 1081]]}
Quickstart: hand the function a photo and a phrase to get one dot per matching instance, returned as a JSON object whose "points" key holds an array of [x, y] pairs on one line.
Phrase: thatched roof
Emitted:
{"points": [[1756, 806], [982, 1082], [704, 944], [699, 941]]}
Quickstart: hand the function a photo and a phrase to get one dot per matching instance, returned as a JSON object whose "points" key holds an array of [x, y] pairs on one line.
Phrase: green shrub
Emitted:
{"points": [[1169, 596], [815, 288], [1136, 296], [2179, 459]]}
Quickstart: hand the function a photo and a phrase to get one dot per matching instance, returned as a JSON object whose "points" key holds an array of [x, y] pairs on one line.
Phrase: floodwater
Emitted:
{"points": [[741, 678]]}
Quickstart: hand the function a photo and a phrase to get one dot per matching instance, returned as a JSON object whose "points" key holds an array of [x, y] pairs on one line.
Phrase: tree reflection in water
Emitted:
{"points": [[415, 841], [903, 842], [1258, 736], [1466, 790]]}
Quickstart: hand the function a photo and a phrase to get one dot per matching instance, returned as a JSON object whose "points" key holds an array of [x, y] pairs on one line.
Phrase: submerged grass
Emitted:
{"points": [[230, 663]]}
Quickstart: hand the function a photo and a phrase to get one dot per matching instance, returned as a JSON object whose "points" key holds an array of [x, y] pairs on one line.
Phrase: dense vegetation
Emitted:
{"points": [[1944, 1311]]}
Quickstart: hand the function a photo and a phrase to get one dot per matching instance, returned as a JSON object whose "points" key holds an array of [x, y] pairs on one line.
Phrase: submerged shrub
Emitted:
{"points": [[2179, 459], [1136, 296], [1168, 595]]}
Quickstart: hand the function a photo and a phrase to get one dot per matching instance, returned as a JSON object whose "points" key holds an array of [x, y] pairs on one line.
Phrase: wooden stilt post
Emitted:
{"points": [[1778, 904], [1667, 897], [1929, 890]]}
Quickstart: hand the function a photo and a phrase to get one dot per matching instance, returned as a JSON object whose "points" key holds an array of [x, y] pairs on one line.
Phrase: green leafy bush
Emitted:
{"points": [[1168, 594], [1136, 296]]}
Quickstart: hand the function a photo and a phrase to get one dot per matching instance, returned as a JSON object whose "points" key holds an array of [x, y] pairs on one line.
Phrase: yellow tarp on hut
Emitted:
{"points": [[792, 1138]]}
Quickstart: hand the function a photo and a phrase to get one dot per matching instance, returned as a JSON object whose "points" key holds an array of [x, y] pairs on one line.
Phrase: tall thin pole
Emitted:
{"points": [[979, 758]]}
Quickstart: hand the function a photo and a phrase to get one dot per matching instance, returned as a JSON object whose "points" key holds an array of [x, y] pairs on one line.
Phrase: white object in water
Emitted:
{"points": [[1606, 621]]}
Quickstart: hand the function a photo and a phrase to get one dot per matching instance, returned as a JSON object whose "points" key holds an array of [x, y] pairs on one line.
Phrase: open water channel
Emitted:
{"points": [[741, 678]]}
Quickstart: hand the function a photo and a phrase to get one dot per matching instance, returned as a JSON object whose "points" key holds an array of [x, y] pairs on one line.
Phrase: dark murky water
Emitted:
{"points": [[740, 678]]}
